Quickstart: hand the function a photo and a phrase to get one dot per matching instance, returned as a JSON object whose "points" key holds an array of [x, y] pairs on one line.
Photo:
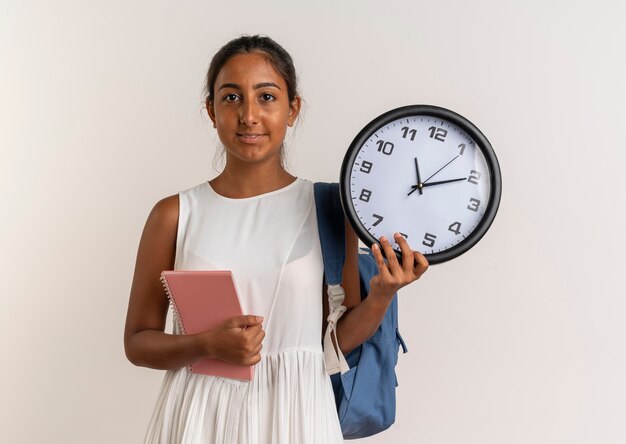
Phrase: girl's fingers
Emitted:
{"points": [[390, 254], [414, 263], [259, 336], [421, 263], [407, 253], [380, 261], [257, 349]]}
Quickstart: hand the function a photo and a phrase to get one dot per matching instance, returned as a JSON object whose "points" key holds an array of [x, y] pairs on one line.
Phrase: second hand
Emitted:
{"points": [[440, 169]]}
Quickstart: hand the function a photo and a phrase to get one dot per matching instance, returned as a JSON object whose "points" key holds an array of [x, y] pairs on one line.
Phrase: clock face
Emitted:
{"points": [[425, 172]]}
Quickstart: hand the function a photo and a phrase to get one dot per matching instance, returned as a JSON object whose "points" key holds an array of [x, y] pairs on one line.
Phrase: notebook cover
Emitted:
{"points": [[201, 300]]}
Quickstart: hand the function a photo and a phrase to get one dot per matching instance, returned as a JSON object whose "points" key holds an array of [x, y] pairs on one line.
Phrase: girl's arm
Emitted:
{"points": [[238, 340], [363, 318]]}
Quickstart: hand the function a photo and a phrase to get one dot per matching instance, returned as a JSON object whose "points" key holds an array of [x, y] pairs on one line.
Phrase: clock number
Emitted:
{"points": [[429, 240], [474, 177], [462, 148], [365, 195], [406, 130], [385, 147], [366, 166], [379, 219], [438, 133], [455, 228], [474, 204], [406, 236]]}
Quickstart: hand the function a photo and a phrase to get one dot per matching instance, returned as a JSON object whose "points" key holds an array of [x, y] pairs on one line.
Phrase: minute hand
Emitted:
{"points": [[430, 184]]}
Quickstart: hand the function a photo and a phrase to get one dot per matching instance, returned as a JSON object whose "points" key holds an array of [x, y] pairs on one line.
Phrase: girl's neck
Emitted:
{"points": [[240, 183]]}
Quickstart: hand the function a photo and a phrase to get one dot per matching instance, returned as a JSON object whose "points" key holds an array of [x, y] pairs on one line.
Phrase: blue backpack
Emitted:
{"points": [[366, 393]]}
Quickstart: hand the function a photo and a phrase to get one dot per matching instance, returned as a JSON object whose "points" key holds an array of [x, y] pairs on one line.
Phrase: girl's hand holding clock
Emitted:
{"points": [[392, 275]]}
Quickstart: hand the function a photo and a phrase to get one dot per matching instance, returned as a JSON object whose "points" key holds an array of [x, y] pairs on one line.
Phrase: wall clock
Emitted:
{"points": [[426, 172]]}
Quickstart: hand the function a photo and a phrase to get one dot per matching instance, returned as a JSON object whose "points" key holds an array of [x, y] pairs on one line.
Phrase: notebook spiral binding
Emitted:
{"points": [[177, 318]]}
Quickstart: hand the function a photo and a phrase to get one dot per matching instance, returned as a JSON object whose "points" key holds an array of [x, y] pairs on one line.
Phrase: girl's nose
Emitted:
{"points": [[249, 113]]}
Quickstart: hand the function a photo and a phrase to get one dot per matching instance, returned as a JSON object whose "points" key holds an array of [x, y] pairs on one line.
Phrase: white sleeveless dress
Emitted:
{"points": [[271, 244]]}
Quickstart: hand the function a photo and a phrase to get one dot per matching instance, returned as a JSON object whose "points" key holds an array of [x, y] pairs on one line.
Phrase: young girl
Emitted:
{"points": [[259, 221]]}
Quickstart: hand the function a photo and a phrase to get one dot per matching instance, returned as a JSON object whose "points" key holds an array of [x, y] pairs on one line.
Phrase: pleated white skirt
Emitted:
{"points": [[289, 401]]}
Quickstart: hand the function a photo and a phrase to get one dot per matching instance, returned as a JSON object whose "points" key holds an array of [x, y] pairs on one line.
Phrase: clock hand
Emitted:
{"points": [[430, 184], [440, 169], [419, 180], [421, 185]]}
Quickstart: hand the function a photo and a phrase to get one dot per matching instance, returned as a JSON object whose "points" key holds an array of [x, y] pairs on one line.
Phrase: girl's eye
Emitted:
{"points": [[267, 97], [231, 97]]}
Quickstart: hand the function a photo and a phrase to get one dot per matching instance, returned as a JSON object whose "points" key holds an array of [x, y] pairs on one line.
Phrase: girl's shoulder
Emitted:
{"points": [[164, 214]]}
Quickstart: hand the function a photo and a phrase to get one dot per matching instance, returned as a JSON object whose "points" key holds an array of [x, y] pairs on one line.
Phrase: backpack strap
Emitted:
{"points": [[330, 223]]}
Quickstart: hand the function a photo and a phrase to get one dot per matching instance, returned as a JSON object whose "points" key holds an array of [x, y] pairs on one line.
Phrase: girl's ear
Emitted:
{"points": [[210, 110], [294, 110]]}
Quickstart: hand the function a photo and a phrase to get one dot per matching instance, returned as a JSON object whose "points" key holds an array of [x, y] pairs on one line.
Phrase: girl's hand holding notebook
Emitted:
{"points": [[238, 340], [205, 301]]}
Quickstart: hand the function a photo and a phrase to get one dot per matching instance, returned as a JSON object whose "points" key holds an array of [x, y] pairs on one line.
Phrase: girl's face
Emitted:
{"points": [[251, 108]]}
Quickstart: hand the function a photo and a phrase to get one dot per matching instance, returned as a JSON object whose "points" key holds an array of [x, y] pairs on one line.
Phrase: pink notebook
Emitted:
{"points": [[201, 300]]}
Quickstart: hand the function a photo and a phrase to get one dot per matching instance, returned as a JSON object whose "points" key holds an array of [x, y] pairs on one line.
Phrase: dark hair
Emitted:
{"points": [[279, 58]]}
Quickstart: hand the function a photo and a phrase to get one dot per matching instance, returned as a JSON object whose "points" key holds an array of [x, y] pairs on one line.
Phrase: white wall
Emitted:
{"points": [[521, 340]]}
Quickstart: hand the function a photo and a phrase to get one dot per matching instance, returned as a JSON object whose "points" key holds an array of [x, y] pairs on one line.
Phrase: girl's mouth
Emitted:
{"points": [[249, 137]]}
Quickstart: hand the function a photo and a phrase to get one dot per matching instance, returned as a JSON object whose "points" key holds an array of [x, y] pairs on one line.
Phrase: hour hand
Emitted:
{"points": [[441, 182], [419, 180]]}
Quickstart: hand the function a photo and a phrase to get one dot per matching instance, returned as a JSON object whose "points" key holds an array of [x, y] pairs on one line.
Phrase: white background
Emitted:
{"points": [[521, 340]]}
